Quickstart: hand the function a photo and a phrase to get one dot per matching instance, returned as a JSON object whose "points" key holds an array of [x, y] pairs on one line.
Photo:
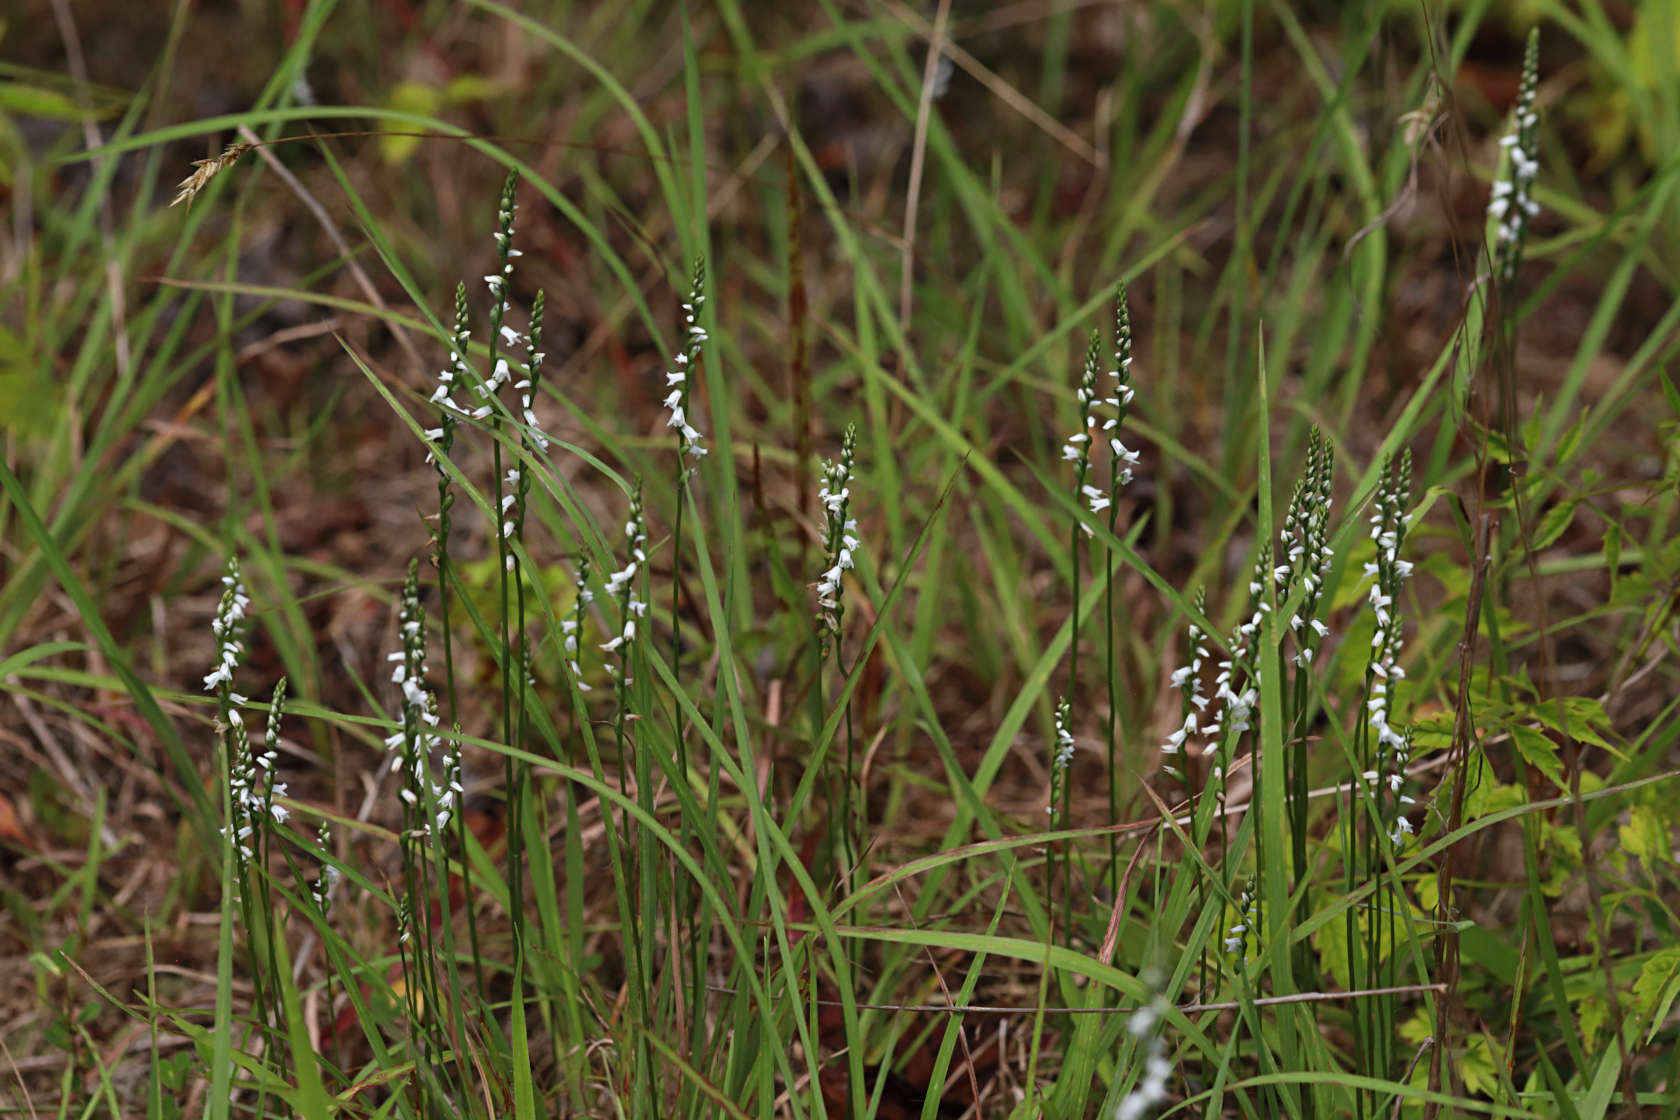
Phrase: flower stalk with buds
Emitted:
{"points": [[680, 381], [839, 536], [1512, 205], [1392, 748]]}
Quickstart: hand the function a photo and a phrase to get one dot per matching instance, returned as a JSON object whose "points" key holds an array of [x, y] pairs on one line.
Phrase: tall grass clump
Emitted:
{"points": [[704, 677]]}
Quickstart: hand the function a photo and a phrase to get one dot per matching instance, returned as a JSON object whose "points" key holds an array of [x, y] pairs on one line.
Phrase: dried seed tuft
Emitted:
{"points": [[206, 170]]}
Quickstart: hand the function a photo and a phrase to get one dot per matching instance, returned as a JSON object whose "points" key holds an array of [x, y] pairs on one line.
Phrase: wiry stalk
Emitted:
{"points": [[1078, 451], [514, 772], [680, 383], [1120, 462]]}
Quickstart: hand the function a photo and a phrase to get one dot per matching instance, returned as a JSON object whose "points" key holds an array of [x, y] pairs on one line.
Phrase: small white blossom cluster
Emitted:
{"points": [[1306, 539], [536, 439], [497, 281], [517, 480], [418, 736], [448, 796], [1511, 204], [321, 889], [571, 628], [513, 509], [1151, 1089], [677, 380], [1306, 532], [253, 794], [840, 532], [457, 371], [1387, 572], [1121, 458], [621, 585], [1106, 413], [500, 374], [229, 628], [1188, 680], [1063, 758], [1077, 450], [1235, 685], [1236, 938]]}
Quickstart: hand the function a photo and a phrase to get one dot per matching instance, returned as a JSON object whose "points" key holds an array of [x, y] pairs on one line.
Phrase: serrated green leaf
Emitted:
{"points": [[1479, 801], [1553, 524], [1581, 718], [1655, 990], [1538, 750], [1477, 1065], [1570, 442]]}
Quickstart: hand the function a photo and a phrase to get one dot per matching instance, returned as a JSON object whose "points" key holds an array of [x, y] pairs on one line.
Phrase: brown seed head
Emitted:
{"points": [[206, 169]]}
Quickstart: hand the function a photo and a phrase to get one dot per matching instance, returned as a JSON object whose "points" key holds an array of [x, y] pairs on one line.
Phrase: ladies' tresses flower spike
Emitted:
{"points": [[1121, 458], [271, 755], [678, 381], [1188, 680], [456, 372], [1236, 938], [537, 439], [497, 282], [252, 793], [1306, 535], [621, 585], [1234, 686], [531, 437], [1511, 204], [450, 792], [840, 533], [500, 374], [1105, 412], [1388, 573], [1077, 450], [229, 628], [572, 627], [321, 889], [418, 736], [1063, 758]]}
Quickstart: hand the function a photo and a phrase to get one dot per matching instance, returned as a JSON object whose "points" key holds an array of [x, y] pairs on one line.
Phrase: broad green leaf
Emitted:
{"points": [[407, 97], [33, 101], [1332, 944], [1646, 836]]}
